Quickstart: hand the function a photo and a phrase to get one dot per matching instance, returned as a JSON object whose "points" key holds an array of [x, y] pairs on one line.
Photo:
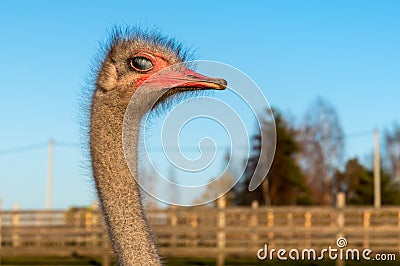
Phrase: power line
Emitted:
{"points": [[23, 148], [30, 147], [359, 134], [355, 135], [68, 144]]}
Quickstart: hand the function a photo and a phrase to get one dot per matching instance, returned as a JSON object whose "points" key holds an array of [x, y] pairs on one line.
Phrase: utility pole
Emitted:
{"points": [[377, 171], [50, 174]]}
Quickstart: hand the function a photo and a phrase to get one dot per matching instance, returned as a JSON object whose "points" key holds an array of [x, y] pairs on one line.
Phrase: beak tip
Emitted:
{"points": [[222, 83]]}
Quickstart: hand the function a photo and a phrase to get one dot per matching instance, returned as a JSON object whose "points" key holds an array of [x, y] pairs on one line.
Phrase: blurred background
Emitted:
{"points": [[329, 69]]}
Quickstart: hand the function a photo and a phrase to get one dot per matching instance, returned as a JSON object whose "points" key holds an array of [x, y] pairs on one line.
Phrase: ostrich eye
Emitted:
{"points": [[141, 63]]}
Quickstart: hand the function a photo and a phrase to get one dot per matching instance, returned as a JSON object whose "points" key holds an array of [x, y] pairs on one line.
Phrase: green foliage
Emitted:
{"points": [[390, 190], [357, 182], [285, 183]]}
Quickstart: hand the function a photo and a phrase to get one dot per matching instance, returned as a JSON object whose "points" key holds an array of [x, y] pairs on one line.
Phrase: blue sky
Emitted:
{"points": [[344, 51]]}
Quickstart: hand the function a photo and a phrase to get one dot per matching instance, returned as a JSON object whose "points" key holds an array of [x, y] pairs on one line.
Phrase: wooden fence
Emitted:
{"points": [[204, 231]]}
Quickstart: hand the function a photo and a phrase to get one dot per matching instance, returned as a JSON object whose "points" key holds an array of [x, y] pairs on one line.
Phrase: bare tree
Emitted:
{"points": [[392, 141], [322, 141]]}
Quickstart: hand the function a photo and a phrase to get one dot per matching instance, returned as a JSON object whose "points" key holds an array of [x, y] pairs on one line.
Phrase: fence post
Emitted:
{"points": [[366, 223], [174, 222], [96, 223], [253, 222], [15, 225], [340, 205], [88, 219], [194, 224], [307, 225], [90, 227], [290, 225], [221, 204], [270, 223]]}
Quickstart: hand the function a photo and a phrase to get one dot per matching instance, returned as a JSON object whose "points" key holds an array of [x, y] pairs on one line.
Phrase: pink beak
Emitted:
{"points": [[185, 78]]}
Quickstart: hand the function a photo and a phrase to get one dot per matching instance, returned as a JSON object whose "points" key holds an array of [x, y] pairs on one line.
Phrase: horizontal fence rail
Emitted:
{"points": [[204, 231]]}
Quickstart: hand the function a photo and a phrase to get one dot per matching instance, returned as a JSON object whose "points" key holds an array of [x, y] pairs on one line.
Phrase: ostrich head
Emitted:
{"points": [[151, 62]]}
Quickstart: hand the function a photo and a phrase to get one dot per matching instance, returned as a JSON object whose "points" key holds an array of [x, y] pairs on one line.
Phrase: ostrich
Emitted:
{"points": [[130, 59]]}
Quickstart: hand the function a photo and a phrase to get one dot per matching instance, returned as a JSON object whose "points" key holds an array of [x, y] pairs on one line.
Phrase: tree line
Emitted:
{"points": [[309, 166]]}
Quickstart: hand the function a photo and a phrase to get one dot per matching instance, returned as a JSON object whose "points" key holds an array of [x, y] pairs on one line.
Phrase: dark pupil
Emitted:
{"points": [[141, 63]]}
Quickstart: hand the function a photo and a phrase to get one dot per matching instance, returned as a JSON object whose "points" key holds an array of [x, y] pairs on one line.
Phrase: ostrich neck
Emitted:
{"points": [[116, 186]]}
